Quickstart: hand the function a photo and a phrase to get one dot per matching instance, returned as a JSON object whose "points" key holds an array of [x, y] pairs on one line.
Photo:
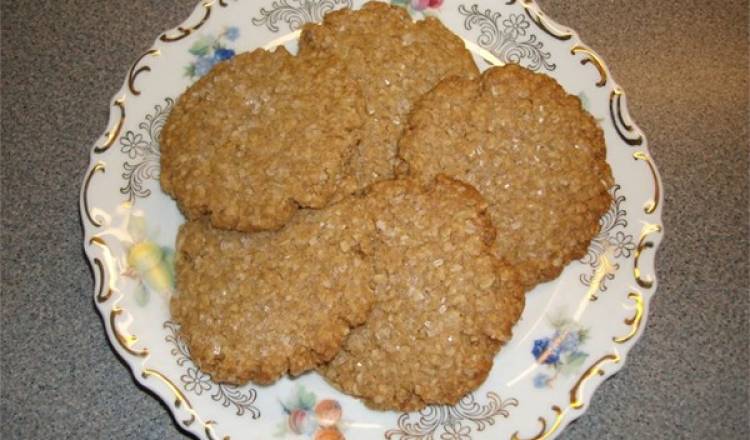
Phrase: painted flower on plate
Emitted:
{"points": [[544, 353], [302, 421], [232, 33], [423, 7], [210, 50], [147, 262], [561, 352], [316, 419]]}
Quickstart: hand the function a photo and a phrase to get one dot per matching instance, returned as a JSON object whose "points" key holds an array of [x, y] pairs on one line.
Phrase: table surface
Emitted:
{"points": [[684, 65]]}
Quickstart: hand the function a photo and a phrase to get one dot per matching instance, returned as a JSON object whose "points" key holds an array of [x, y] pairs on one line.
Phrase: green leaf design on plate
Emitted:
{"points": [[190, 70], [559, 322], [583, 335], [168, 257], [141, 295], [306, 399], [573, 362], [202, 46]]}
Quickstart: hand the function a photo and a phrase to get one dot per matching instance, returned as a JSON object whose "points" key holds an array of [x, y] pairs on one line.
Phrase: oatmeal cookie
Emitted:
{"points": [[395, 60], [259, 136], [255, 306], [444, 304], [413, 261], [532, 151]]}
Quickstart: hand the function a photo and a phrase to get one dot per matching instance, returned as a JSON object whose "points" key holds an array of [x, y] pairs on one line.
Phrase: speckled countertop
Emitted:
{"points": [[684, 65]]}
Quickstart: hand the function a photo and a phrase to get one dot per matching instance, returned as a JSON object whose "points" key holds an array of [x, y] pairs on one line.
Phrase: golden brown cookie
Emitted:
{"points": [[532, 151], [260, 136], [255, 306], [444, 304], [395, 60]]}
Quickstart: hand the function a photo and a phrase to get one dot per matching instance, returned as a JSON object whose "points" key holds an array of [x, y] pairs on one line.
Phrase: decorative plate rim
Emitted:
{"points": [[552, 420]]}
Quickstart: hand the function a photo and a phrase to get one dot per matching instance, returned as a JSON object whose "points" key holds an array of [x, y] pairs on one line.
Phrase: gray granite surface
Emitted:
{"points": [[684, 65]]}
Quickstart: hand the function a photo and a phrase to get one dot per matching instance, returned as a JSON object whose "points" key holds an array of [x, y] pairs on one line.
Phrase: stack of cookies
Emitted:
{"points": [[373, 208]]}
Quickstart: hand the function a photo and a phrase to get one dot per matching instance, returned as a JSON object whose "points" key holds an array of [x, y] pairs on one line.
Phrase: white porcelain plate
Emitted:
{"points": [[585, 321]]}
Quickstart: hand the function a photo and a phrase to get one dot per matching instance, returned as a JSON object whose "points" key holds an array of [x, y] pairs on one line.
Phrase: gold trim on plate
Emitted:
{"points": [[101, 295], [179, 400], [179, 397], [635, 321], [651, 205], [98, 167], [133, 74], [576, 401], [605, 268], [209, 430], [647, 230], [538, 18], [125, 341], [183, 32], [111, 135], [577, 390], [594, 59], [624, 129], [544, 432], [615, 111]]}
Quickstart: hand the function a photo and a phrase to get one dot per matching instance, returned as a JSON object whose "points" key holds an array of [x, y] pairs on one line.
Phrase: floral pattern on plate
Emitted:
{"points": [[307, 416], [143, 151], [560, 352], [239, 398], [210, 50], [611, 244], [416, 7], [296, 13], [546, 374], [507, 37], [151, 265]]}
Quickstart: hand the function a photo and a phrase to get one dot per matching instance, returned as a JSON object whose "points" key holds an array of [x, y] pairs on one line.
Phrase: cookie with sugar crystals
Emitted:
{"points": [[259, 136], [395, 60], [396, 287], [444, 304], [532, 151], [254, 306]]}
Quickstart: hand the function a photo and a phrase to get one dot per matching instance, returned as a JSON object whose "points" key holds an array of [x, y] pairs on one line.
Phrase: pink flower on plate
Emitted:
{"points": [[421, 5], [302, 422]]}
